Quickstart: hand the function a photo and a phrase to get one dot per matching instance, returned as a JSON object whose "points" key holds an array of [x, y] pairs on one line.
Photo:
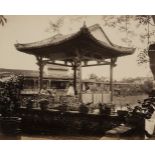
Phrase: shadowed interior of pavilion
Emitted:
{"points": [[89, 46]]}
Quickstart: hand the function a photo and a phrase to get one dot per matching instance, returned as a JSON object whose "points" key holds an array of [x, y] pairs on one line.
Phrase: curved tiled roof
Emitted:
{"points": [[94, 34]]}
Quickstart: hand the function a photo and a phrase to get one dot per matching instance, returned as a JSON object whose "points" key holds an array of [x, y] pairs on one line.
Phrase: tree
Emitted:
{"points": [[55, 27], [153, 17], [3, 20], [11, 87], [93, 77], [134, 27], [124, 24], [147, 86]]}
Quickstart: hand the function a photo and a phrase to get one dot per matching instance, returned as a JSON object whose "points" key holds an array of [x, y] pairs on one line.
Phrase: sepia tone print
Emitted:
{"points": [[77, 77]]}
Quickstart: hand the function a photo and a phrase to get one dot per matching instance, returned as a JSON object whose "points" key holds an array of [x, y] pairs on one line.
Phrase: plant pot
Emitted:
{"points": [[44, 104], [63, 107], [44, 107], [122, 113], [83, 110], [10, 128], [107, 111]]}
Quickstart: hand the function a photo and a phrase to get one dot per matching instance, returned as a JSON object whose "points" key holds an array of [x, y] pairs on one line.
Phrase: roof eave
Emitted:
{"points": [[121, 51]]}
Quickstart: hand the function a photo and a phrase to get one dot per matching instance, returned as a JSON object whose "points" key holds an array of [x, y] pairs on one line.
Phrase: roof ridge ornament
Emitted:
{"points": [[85, 39], [84, 24], [84, 28]]}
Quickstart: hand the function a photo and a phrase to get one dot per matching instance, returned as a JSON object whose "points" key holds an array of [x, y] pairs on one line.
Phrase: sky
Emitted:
{"points": [[25, 29]]}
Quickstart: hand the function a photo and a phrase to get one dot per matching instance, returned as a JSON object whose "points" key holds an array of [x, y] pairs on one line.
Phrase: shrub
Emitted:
{"points": [[10, 88]]}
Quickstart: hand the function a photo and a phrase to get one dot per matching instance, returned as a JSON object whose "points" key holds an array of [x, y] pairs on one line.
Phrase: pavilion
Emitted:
{"points": [[90, 46]]}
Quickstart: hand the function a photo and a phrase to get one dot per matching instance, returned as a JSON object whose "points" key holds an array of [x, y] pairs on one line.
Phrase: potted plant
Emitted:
{"points": [[43, 104], [83, 109], [10, 87]]}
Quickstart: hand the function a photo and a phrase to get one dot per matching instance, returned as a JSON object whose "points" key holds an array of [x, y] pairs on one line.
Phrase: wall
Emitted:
{"points": [[52, 121]]}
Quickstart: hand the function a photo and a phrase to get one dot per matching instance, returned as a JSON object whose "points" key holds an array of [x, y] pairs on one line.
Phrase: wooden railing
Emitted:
{"points": [[87, 97]]}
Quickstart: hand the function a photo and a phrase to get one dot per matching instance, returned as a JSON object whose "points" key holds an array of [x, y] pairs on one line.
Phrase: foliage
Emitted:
{"points": [[43, 104], [138, 85], [123, 23], [54, 27], [143, 56], [148, 86], [3, 20], [146, 108], [127, 24], [83, 109], [93, 77], [10, 88]]}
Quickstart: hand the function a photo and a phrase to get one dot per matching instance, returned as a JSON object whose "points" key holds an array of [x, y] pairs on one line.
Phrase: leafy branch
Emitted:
{"points": [[3, 20], [54, 27]]}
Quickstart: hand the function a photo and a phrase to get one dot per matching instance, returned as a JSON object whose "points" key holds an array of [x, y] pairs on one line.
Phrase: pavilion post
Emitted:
{"points": [[80, 82], [75, 79], [111, 81], [41, 67], [77, 68]]}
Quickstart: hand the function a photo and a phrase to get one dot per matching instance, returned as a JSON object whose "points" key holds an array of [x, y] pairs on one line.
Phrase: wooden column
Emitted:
{"points": [[80, 82], [111, 81], [112, 65], [41, 67], [75, 79]]}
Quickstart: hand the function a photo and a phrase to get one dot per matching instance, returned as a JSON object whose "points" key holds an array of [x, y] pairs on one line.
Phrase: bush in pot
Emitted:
{"points": [[43, 104], [83, 109]]}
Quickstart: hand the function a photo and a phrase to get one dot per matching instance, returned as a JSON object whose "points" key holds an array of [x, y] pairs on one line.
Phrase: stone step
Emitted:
{"points": [[116, 133], [118, 130]]}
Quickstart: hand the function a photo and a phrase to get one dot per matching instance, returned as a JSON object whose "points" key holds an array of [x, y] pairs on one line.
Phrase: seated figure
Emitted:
{"points": [[70, 91], [44, 91]]}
